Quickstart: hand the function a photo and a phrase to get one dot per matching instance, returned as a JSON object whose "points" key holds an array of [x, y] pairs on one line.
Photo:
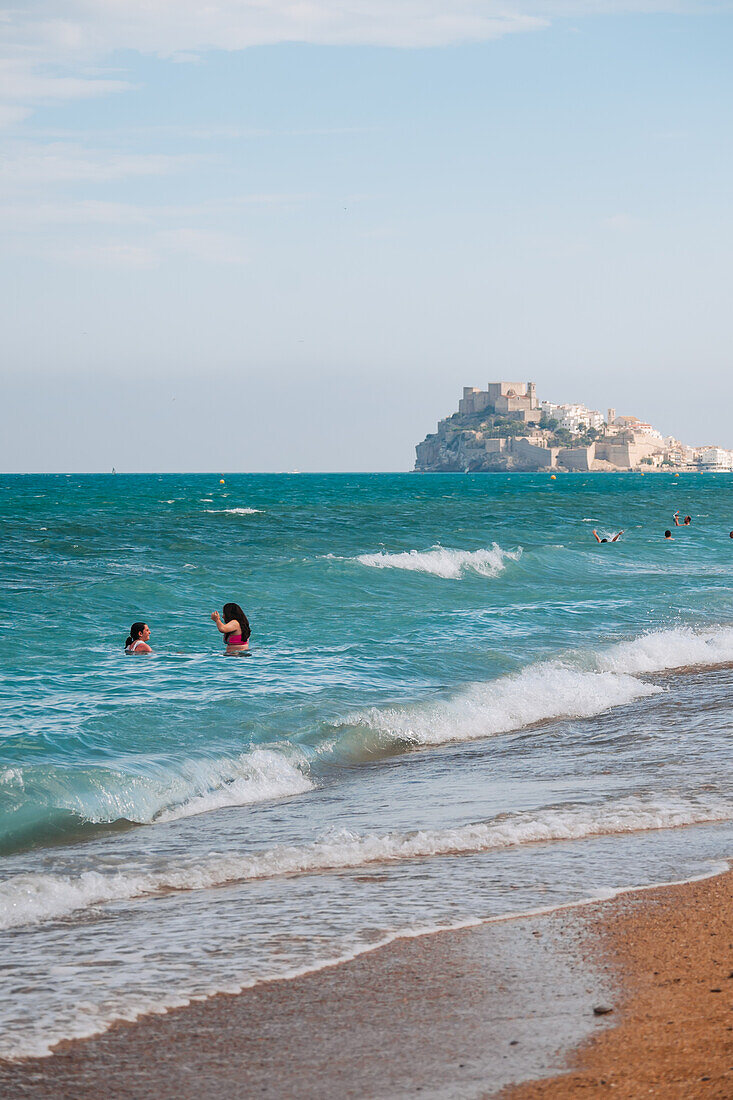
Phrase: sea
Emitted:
{"points": [[457, 707]]}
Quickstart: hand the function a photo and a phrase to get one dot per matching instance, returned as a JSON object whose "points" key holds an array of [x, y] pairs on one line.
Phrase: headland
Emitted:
{"points": [[506, 427]]}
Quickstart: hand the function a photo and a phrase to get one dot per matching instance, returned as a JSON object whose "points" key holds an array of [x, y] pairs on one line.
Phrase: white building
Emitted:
{"points": [[677, 453], [715, 458], [575, 418], [647, 432]]}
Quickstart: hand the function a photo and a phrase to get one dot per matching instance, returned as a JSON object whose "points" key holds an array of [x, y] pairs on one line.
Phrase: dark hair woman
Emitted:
{"points": [[234, 625], [137, 641]]}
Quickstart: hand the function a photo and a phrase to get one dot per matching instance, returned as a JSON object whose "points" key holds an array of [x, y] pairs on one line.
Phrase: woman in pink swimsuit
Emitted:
{"points": [[137, 641], [234, 626]]}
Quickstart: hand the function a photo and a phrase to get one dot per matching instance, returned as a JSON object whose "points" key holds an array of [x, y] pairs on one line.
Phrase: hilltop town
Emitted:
{"points": [[505, 427]]}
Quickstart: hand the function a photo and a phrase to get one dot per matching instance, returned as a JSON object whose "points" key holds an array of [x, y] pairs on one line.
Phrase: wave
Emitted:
{"points": [[258, 776], [538, 694], [34, 898], [661, 650], [581, 686], [233, 511], [262, 776], [443, 562], [53, 802]]}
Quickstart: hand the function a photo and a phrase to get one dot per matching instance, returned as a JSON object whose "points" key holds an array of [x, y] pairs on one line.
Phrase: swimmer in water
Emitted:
{"points": [[685, 523], [614, 539], [234, 626], [668, 536], [137, 641]]}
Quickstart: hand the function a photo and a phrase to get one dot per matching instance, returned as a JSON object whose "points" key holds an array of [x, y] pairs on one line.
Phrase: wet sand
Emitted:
{"points": [[672, 1037], [452, 1015], [439, 1016]]}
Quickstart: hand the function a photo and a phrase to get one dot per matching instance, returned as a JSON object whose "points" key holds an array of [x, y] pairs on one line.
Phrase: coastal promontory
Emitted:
{"points": [[506, 427]]}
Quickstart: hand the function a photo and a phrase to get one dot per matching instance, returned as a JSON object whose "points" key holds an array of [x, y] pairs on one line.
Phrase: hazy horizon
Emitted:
{"points": [[276, 238]]}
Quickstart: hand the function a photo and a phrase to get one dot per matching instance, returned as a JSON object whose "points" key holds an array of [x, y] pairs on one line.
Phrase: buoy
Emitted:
{"points": [[676, 475], [221, 481], [553, 477]]}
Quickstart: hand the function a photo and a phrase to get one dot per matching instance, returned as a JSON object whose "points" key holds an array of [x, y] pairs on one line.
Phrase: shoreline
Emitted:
{"points": [[672, 1034], [460, 1012], [431, 1013]]}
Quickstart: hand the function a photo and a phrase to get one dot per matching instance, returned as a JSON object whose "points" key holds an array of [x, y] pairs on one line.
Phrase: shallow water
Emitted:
{"points": [[457, 706]]}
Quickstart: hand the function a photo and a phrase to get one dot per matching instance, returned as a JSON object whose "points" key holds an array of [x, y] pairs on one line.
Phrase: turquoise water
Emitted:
{"points": [[457, 705]]}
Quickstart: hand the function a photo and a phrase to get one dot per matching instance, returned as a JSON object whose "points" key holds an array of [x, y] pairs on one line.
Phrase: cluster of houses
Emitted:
{"points": [[590, 441]]}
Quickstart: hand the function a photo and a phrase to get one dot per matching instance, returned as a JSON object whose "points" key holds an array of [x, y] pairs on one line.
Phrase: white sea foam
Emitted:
{"points": [[32, 898], [170, 790], [233, 511], [667, 649], [441, 561], [254, 777], [91, 1019], [539, 693], [550, 690]]}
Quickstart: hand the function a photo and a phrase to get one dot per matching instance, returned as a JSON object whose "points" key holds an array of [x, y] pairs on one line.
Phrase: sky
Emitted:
{"points": [[284, 235]]}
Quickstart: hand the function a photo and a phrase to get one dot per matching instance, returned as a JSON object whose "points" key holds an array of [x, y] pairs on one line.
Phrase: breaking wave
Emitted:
{"points": [[581, 686], [443, 562], [233, 511], [668, 649], [254, 777], [537, 694], [39, 801], [33, 898]]}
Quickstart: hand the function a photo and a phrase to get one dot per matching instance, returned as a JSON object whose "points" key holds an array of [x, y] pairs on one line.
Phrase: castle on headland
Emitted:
{"points": [[505, 427]]}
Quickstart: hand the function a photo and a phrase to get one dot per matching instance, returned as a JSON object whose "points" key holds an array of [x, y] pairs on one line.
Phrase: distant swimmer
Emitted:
{"points": [[137, 641], [668, 536], [685, 522], [234, 626], [615, 538]]}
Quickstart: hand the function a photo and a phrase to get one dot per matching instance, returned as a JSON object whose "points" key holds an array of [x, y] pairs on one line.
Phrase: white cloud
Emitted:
{"points": [[60, 162], [21, 80], [24, 215], [173, 28], [177, 28], [208, 247], [49, 45], [623, 222], [110, 255], [211, 248], [11, 116]]}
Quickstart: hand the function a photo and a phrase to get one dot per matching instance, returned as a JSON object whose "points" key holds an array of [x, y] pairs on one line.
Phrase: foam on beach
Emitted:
{"points": [[33, 898], [443, 562]]}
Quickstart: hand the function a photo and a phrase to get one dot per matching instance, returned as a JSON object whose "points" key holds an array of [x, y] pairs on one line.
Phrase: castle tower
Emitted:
{"points": [[532, 394], [611, 416]]}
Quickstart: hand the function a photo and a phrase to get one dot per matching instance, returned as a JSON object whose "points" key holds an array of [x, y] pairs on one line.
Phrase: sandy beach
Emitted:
{"points": [[456, 1014], [671, 949]]}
